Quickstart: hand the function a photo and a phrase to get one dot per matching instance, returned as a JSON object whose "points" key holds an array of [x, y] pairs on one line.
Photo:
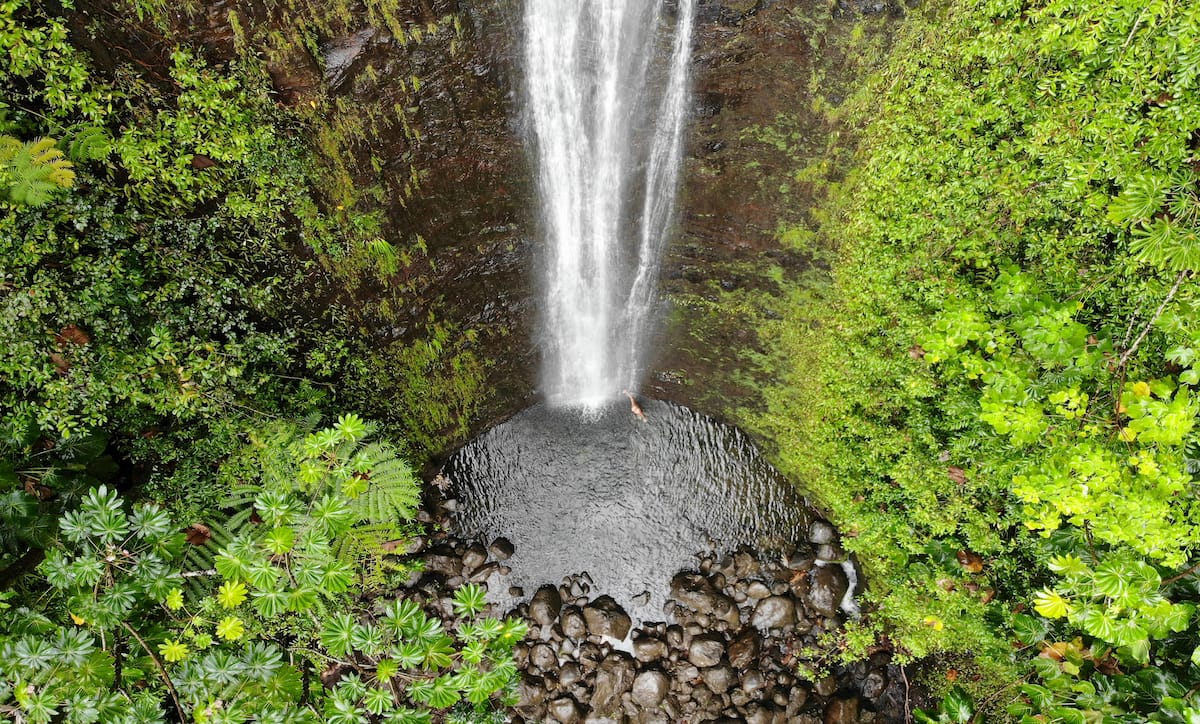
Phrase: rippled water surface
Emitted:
{"points": [[627, 501]]}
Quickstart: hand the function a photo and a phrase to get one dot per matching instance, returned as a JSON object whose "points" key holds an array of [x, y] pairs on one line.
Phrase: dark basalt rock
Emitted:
{"points": [[614, 677], [827, 586], [545, 605], [774, 612], [565, 710], [605, 618], [743, 650]]}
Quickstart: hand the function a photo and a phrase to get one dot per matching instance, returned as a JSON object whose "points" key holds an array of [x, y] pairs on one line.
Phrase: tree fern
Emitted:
{"points": [[299, 463], [89, 143], [393, 492], [31, 172]]}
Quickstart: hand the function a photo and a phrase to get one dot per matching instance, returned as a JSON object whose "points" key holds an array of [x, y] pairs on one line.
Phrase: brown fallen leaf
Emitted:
{"points": [[71, 334], [60, 363], [198, 534], [969, 561], [392, 545], [37, 490], [957, 474], [916, 351]]}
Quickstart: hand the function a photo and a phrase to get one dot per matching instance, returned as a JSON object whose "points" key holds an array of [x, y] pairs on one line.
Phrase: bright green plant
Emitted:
{"points": [[31, 172], [1004, 356], [135, 643]]}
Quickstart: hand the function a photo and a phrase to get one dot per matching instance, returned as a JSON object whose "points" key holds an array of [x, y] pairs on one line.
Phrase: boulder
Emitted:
{"points": [[605, 618], [647, 649], [573, 624], [542, 656], [827, 585], [821, 532], [501, 549], [706, 650], [564, 710], [614, 677], [531, 693], [841, 711], [650, 688], [744, 648], [569, 675], [545, 605], [757, 590], [693, 591], [474, 557], [719, 679], [774, 612], [752, 681]]}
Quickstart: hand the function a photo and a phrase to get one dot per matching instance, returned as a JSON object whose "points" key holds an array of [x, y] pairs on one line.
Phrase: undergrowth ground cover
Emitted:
{"points": [[180, 538], [993, 391]]}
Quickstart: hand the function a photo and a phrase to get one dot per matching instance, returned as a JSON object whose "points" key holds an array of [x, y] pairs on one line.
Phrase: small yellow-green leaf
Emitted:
{"points": [[231, 628], [231, 594], [1050, 604], [172, 650]]}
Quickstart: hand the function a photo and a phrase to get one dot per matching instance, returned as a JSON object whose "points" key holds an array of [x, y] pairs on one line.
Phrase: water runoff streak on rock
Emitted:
{"points": [[606, 88]]}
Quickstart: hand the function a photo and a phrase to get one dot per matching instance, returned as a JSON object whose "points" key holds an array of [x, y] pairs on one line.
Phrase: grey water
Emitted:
{"points": [[606, 87], [627, 501]]}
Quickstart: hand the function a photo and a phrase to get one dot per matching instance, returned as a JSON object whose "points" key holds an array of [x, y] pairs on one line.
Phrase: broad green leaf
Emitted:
{"points": [[1051, 604]]}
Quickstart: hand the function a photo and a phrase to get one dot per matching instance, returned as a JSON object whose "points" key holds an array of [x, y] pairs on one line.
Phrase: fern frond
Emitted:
{"points": [[33, 171], [90, 143]]}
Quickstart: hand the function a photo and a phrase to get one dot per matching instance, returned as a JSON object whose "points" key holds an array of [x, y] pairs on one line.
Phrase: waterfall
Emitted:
{"points": [[607, 92]]}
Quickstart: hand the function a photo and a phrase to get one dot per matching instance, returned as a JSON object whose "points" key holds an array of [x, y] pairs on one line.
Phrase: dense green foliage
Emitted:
{"points": [[121, 637], [994, 396], [166, 239]]}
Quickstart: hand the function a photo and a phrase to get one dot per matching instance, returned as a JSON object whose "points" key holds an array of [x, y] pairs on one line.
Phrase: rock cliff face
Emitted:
{"points": [[422, 100]]}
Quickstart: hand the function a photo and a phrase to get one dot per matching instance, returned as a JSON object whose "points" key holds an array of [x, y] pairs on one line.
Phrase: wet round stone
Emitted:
{"points": [[706, 650], [614, 677], [531, 692], [647, 649], [569, 674], [719, 679], [821, 532], [827, 586], [474, 557], [545, 605], [650, 688], [757, 590], [573, 624], [542, 656], [501, 549], [605, 618], [694, 591], [774, 612], [744, 648], [752, 681], [565, 710]]}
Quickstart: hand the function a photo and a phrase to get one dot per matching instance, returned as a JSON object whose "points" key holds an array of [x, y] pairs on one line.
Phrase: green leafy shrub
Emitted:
{"points": [[121, 638], [1004, 358]]}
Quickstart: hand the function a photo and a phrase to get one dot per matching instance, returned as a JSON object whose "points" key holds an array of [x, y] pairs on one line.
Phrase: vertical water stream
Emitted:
{"points": [[607, 89]]}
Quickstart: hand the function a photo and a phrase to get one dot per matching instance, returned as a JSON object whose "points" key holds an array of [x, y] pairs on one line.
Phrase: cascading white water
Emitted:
{"points": [[607, 89]]}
